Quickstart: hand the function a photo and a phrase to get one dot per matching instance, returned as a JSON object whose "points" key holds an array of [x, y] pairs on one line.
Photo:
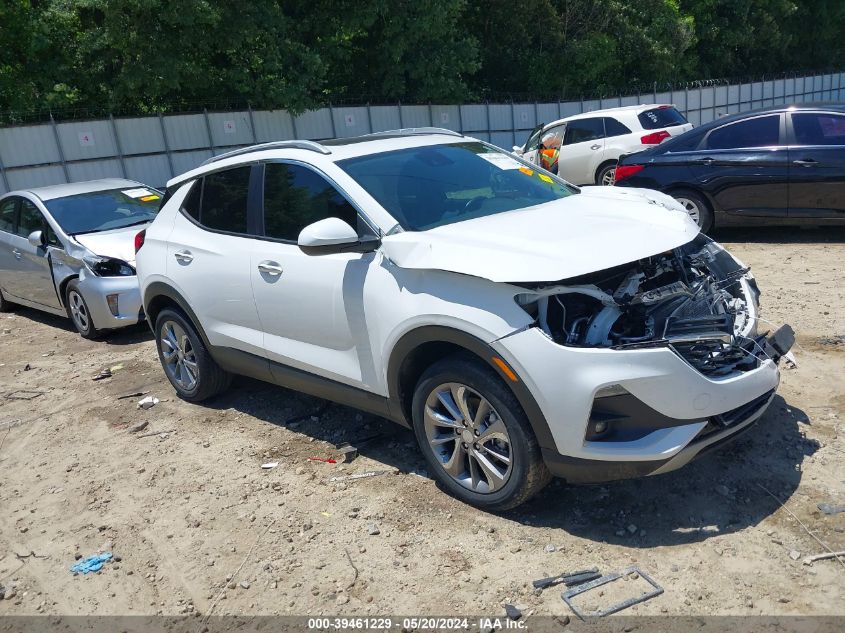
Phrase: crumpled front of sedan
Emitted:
{"points": [[639, 368]]}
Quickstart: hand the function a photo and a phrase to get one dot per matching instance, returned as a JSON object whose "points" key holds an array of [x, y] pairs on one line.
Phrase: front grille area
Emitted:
{"points": [[735, 416], [716, 358]]}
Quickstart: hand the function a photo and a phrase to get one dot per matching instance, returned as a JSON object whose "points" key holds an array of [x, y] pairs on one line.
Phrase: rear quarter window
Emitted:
{"points": [[661, 117]]}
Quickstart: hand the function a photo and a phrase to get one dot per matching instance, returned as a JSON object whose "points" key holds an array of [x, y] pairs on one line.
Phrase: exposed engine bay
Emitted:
{"points": [[696, 298]]}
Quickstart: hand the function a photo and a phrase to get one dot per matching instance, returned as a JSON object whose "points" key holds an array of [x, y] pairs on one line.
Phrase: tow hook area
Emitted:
{"points": [[778, 344]]}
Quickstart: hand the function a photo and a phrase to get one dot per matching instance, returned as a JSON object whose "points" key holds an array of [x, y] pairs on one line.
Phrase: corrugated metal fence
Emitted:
{"points": [[154, 149]]}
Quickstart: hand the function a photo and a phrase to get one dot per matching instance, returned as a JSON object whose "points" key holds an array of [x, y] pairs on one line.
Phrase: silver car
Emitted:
{"points": [[70, 250]]}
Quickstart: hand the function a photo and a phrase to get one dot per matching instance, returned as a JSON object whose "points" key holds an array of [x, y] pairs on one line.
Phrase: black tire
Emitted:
{"points": [[527, 475], [78, 312], [605, 172], [705, 212], [5, 306], [210, 379]]}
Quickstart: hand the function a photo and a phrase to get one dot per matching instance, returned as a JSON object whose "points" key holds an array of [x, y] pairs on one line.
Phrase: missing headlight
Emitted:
{"points": [[108, 266]]}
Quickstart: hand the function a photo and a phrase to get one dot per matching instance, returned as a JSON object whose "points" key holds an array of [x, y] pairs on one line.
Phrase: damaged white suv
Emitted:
{"points": [[522, 327]]}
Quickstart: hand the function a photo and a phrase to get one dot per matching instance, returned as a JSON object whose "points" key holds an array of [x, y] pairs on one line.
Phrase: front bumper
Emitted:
{"points": [[124, 290], [686, 410]]}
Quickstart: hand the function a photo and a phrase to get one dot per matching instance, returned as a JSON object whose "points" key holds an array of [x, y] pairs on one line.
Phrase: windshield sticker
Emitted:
{"points": [[545, 178], [502, 161], [149, 198], [137, 193], [526, 171]]}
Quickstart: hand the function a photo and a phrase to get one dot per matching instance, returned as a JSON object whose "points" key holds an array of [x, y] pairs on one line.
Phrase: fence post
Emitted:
{"points": [[460, 118], [487, 110], [370, 118], [166, 144], [331, 116], [430, 115], [208, 129], [686, 101], [3, 176], [654, 92], [513, 124], [252, 124], [293, 125], [117, 144], [399, 106], [59, 147]]}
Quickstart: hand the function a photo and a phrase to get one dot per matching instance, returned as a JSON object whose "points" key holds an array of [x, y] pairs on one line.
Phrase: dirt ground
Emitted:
{"points": [[196, 524]]}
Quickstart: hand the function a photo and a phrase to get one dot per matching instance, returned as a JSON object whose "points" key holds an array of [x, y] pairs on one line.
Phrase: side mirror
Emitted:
{"points": [[517, 149], [37, 239], [333, 235]]}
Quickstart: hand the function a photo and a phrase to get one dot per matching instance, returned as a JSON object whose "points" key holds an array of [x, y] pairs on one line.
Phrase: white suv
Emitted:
{"points": [[521, 327], [593, 142]]}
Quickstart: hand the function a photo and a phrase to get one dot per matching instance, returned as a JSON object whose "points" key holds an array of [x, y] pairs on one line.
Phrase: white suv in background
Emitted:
{"points": [[594, 141], [521, 327]]}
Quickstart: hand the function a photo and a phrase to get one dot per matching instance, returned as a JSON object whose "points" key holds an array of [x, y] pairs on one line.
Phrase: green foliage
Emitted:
{"points": [[164, 55]]}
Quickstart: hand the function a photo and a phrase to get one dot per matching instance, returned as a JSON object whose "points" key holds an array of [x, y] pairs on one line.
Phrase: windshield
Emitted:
{"points": [[435, 185], [104, 210]]}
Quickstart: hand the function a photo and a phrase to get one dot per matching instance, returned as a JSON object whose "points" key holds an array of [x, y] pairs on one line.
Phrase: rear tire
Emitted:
{"points": [[5, 306], [458, 402], [697, 207], [79, 313], [606, 175], [185, 359]]}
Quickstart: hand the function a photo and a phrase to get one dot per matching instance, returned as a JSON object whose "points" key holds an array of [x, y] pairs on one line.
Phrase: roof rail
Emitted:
{"points": [[309, 145], [416, 131]]}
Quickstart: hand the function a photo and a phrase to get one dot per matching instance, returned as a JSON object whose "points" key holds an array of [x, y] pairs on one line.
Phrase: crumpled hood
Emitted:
{"points": [[599, 228], [119, 243]]}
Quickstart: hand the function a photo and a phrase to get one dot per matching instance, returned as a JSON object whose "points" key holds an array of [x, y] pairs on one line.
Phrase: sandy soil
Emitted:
{"points": [[197, 524]]}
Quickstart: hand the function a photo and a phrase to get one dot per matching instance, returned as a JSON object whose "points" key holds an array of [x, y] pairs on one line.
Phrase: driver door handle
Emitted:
{"points": [[17, 253], [805, 162], [183, 257], [270, 268], [705, 161], [596, 146]]}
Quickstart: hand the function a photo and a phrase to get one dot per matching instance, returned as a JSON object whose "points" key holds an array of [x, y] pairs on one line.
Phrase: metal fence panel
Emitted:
{"points": [[28, 177], [86, 139], [446, 116], [230, 128], [186, 131], [474, 117], [524, 116], [316, 124], [186, 161], [29, 145], [152, 170], [501, 117], [547, 112], [351, 121], [140, 135], [93, 169], [385, 118], [273, 125], [415, 116]]}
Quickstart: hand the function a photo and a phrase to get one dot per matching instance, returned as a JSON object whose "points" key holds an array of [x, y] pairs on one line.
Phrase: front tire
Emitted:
{"points": [[697, 207], [80, 315], [185, 359], [475, 436], [606, 176]]}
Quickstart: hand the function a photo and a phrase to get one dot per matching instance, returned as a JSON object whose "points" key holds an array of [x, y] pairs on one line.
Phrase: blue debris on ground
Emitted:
{"points": [[93, 563]]}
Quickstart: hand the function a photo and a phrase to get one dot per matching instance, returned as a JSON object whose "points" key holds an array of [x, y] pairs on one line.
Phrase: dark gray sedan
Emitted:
{"points": [[69, 250]]}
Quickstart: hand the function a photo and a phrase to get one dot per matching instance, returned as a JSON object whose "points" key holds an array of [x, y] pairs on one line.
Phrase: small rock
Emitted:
{"points": [[10, 593], [512, 612], [210, 562], [794, 554], [783, 599], [24, 529], [244, 584], [551, 548], [372, 529], [342, 599]]}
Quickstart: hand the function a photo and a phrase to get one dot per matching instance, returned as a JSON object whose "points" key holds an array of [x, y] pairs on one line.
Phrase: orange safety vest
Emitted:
{"points": [[548, 159]]}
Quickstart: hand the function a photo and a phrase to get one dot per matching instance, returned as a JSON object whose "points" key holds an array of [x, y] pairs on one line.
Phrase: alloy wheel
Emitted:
{"points": [[79, 311], [608, 178], [468, 438], [691, 208], [178, 355]]}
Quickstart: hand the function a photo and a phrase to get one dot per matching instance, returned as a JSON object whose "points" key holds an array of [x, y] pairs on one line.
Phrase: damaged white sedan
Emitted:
{"points": [[521, 326], [69, 250]]}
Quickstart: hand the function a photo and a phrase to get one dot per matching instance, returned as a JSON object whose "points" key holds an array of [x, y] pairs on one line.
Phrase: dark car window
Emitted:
{"points": [[686, 142], [7, 215], [533, 141], [583, 130], [435, 185], [612, 127], [819, 129], [104, 210], [191, 203], [224, 200], [30, 219], [762, 131], [665, 116], [295, 196]]}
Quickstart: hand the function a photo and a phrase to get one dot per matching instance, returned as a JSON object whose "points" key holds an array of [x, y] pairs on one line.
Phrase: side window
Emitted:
{"points": [[819, 129], [583, 130], [612, 127], [30, 220], [295, 196], [763, 131], [191, 203], [7, 215], [533, 141], [556, 130], [224, 200]]}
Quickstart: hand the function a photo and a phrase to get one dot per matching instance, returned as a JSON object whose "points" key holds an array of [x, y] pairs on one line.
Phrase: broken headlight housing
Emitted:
{"points": [[108, 266], [696, 299]]}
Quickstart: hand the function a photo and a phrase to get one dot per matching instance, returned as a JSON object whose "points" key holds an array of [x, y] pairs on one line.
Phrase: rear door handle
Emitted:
{"points": [[270, 268], [17, 253], [183, 257], [805, 162], [705, 161], [596, 146]]}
